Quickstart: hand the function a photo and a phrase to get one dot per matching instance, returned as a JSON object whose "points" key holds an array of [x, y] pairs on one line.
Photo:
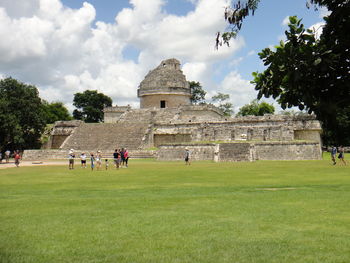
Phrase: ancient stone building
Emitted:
{"points": [[164, 87], [167, 121]]}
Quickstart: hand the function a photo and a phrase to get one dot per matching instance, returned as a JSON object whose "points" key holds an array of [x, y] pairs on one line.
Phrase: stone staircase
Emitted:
{"points": [[106, 136]]}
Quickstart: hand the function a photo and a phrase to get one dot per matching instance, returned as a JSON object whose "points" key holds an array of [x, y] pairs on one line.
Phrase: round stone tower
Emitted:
{"points": [[164, 87]]}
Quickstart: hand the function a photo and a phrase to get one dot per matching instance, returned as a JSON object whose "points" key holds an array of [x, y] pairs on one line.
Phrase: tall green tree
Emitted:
{"points": [[56, 111], [257, 109], [22, 115], [221, 100], [312, 74], [90, 105], [197, 92], [304, 71]]}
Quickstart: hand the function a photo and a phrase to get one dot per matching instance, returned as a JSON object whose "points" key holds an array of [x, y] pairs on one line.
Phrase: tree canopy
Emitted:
{"points": [[197, 92], [90, 105], [305, 71], [56, 111], [257, 109], [22, 115], [225, 106], [312, 74]]}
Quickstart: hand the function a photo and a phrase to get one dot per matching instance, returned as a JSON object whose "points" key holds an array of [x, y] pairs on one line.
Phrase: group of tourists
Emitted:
{"points": [[120, 159], [16, 155], [340, 152]]}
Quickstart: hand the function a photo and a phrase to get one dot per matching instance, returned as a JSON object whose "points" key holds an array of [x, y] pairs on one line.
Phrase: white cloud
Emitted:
{"points": [[241, 91], [63, 51], [324, 11], [285, 21], [317, 29]]}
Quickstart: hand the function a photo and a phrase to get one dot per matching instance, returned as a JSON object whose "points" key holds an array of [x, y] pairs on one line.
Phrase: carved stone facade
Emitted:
{"points": [[203, 128], [164, 87]]}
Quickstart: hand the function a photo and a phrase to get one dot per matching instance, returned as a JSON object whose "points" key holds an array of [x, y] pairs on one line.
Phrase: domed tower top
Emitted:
{"points": [[164, 87]]}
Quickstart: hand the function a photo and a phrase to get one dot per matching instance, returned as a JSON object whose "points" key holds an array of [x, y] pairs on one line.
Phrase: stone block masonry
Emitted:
{"points": [[242, 151]]}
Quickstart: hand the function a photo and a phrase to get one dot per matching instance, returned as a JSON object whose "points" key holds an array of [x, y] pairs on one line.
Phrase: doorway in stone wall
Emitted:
{"points": [[162, 104]]}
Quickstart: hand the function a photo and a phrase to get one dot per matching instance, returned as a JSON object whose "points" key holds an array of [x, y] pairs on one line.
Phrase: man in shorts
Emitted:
{"points": [[71, 157], [7, 156], [334, 154], [83, 160]]}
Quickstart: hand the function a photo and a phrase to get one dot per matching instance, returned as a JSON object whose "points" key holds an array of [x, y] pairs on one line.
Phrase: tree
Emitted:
{"points": [[236, 13], [257, 109], [22, 116], [56, 111], [224, 106], [313, 74], [90, 105], [310, 73], [197, 92]]}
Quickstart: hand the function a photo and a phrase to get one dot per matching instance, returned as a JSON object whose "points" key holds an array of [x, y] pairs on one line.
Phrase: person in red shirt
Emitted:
{"points": [[17, 158], [126, 157]]}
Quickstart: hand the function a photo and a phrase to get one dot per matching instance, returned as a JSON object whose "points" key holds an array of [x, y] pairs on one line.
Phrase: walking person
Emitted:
{"points": [[126, 157], [71, 157], [122, 157], [116, 158], [98, 160], [341, 155], [17, 157], [334, 154], [7, 155], [92, 161], [187, 157], [83, 160]]}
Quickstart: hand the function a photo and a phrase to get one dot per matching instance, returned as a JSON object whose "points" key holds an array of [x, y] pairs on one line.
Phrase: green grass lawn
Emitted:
{"points": [[265, 211]]}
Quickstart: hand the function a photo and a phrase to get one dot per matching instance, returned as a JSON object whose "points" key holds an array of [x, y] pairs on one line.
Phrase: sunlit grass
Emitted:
{"points": [[292, 211]]}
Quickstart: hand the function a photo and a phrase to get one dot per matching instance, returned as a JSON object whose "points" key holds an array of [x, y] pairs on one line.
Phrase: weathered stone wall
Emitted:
{"points": [[265, 128], [61, 132], [160, 139], [307, 135], [171, 100], [233, 152], [164, 83], [176, 152], [288, 151], [113, 114]]}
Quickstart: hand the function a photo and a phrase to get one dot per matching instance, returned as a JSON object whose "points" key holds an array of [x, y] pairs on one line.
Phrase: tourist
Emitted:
{"points": [[116, 158], [187, 157], [122, 157], [7, 156], [341, 155], [126, 157], [106, 162], [92, 160], [98, 160], [0, 157], [334, 154], [17, 157], [71, 157], [83, 160]]}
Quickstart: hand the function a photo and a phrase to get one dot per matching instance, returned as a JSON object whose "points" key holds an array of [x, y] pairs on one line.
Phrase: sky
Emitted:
{"points": [[68, 46]]}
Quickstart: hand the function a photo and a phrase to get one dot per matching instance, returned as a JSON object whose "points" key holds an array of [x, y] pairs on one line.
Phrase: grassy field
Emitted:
{"points": [[291, 211]]}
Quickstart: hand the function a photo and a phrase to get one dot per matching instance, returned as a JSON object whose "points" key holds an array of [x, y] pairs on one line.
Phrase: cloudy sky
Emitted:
{"points": [[68, 46]]}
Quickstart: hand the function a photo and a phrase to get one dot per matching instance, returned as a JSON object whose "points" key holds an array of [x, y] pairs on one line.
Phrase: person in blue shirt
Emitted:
{"points": [[334, 154]]}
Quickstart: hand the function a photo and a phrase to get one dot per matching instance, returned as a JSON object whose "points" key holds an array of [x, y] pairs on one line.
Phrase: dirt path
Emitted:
{"points": [[11, 164]]}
